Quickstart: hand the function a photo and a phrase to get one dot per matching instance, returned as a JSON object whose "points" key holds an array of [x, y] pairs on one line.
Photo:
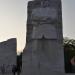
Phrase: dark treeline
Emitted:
{"points": [[69, 55], [19, 63]]}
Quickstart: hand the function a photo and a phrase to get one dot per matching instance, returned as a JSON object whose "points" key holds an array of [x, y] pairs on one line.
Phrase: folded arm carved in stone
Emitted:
{"points": [[42, 26]]}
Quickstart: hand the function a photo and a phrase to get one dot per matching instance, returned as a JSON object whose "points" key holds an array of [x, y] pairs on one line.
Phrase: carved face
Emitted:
{"points": [[44, 13]]}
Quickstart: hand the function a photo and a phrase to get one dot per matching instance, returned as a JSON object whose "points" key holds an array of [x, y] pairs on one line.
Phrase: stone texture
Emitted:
{"points": [[8, 54], [43, 54]]}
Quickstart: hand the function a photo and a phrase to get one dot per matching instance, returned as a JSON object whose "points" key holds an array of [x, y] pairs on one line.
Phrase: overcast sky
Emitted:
{"points": [[13, 16]]}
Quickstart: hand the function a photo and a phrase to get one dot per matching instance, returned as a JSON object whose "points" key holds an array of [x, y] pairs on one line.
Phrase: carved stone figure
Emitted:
{"points": [[44, 54]]}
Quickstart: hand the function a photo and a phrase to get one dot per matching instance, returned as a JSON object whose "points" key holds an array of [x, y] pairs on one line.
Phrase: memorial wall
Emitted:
{"points": [[7, 56]]}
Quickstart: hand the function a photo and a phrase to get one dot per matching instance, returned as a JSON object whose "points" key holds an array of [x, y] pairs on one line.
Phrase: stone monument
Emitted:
{"points": [[44, 53], [7, 56]]}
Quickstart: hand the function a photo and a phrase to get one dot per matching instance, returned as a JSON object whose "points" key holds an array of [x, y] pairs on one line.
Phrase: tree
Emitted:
{"points": [[69, 52], [68, 41]]}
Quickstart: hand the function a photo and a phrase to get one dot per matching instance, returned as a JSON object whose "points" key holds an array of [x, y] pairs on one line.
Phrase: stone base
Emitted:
{"points": [[33, 65]]}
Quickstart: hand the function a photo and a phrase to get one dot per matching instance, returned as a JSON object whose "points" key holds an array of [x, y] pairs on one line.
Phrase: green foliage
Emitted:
{"points": [[68, 41], [69, 52]]}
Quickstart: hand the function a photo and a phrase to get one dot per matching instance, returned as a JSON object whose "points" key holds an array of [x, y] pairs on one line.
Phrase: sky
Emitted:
{"points": [[13, 19]]}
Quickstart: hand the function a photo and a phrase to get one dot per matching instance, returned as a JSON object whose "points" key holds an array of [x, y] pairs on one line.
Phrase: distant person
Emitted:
{"points": [[19, 64], [14, 69], [73, 64], [18, 70], [3, 69]]}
